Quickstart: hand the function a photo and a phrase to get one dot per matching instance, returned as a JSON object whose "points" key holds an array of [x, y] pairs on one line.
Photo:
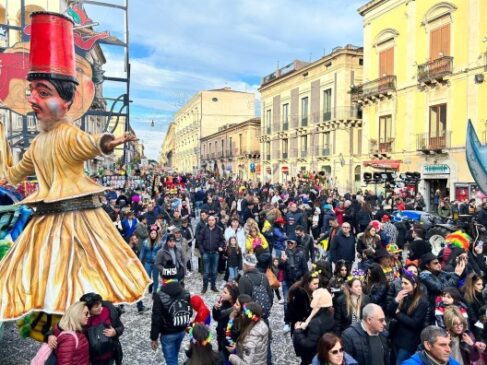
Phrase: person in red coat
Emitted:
{"points": [[73, 350]]}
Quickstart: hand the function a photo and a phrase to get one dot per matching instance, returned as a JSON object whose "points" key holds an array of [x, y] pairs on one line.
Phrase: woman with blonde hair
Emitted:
{"points": [[255, 239], [72, 347], [349, 305], [464, 348]]}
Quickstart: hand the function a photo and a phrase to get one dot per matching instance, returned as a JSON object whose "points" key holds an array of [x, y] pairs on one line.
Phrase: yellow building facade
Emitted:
{"points": [[309, 122], [206, 112], [233, 151], [167, 150], [424, 68]]}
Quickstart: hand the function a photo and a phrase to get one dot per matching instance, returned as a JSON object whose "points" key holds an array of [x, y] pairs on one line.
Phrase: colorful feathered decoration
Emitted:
{"points": [[459, 239]]}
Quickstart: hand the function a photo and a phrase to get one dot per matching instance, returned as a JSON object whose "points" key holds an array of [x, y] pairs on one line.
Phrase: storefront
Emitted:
{"points": [[436, 178]]}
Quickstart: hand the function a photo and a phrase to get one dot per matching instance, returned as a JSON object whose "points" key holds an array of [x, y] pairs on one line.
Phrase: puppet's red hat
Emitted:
{"points": [[52, 48]]}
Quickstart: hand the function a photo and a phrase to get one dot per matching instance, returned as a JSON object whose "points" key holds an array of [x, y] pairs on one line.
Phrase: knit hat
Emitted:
{"points": [[250, 260], [385, 218], [427, 258], [279, 220], [321, 299], [169, 271], [376, 224]]}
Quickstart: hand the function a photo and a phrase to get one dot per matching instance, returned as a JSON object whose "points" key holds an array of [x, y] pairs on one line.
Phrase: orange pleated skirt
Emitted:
{"points": [[59, 257]]}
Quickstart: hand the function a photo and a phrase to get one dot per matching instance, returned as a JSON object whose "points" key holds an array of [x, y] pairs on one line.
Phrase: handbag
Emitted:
{"points": [[273, 282], [45, 355], [100, 344]]}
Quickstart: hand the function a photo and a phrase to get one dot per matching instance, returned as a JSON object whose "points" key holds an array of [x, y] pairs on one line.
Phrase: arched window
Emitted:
{"points": [[437, 22], [384, 44]]}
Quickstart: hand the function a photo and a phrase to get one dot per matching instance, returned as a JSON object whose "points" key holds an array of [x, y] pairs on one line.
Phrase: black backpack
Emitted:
{"points": [[261, 296], [180, 311]]}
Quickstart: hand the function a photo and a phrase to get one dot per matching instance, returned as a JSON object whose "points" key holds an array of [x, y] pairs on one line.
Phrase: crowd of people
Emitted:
{"points": [[357, 284]]}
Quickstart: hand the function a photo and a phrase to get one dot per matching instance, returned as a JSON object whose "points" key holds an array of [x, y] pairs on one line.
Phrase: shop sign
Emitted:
{"points": [[436, 169], [285, 169]]}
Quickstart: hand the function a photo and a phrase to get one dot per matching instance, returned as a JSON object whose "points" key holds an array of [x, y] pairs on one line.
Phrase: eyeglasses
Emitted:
{"points": [[345, 227], [335, 352]]}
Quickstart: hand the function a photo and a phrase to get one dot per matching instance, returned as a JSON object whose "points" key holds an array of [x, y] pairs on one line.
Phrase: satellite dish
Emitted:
{"points": [[437, 243]]}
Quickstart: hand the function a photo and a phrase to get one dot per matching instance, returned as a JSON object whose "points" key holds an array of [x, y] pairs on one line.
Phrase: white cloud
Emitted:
{"points": [[181, 47]]}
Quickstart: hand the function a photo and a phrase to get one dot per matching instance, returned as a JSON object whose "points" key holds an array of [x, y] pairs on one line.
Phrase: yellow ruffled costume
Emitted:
{"points": [[60, 256]]}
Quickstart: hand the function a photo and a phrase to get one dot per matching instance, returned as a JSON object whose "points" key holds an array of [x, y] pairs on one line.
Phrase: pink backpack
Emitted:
{"points": [[45, 352]]}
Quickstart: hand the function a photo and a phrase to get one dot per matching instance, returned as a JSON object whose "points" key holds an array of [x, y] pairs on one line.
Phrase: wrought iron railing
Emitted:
{"points": [[373, 88], [436, 69], [428, 142]]}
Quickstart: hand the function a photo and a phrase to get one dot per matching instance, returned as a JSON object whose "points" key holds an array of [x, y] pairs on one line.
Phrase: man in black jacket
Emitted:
{"points": [[366, 340], [305, 241], [171, 314], [342, 247], [211, 242]]}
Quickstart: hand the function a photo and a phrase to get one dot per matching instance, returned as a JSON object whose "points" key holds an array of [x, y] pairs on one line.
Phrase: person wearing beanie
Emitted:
{"points": [[171, 254], [307, 334], [171, 314]]}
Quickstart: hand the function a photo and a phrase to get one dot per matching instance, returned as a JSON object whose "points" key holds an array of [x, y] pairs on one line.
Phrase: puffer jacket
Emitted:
{"points": [[305, 342], [161, 319], [249, 242], [253, 349], [356, 343], [419, 358], [295, 266], [279, 238], [67, 352]]}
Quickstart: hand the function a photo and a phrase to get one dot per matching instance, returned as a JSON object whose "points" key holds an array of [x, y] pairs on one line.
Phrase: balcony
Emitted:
{"points": [[304, 121], [385, 145], [294, 66], [268, 157], [343, 113], [378, 88], [326, 151], [229, 153], [431, 144], [285, 126], [436, 70], [304, 153], [284, 155]]}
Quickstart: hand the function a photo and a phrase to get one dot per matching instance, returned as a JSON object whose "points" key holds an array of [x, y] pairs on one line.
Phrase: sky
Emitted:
{"points": [[178, 48]]}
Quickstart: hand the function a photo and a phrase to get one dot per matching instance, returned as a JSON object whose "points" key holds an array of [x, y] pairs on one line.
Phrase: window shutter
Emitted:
{"points": [[440, 42], [445, 40], [386, 62]]}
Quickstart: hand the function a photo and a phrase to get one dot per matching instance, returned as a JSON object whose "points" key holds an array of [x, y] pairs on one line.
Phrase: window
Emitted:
{"points": [[385, 128], [268, 121], [285, 146], [304, 112], [327, 105], [230, 146], [304, 144], [325, 142], [361, 61], [386, 62], [268, 150], [285, 117], [223, 146], [437, 127], [240, 143], [440, 42]]}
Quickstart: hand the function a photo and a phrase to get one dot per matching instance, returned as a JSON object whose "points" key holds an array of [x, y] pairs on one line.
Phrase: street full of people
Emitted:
{"points": [[356, 281]]}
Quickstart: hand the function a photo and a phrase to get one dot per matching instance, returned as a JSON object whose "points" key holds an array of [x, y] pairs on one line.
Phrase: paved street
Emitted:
{"points": [[135, 341]]}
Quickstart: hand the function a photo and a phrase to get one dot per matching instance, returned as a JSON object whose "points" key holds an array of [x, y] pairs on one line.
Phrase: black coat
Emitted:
{"points": [[343, 320], [342, 248], [356, 344], [210, 240], [161, 320], [298, 305], [378, 294], [295, 266], [221, 316], [305, 342], [407, 328]]}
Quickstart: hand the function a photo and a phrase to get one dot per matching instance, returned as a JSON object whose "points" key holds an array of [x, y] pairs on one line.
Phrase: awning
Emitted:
{"points": [[383, 164]]}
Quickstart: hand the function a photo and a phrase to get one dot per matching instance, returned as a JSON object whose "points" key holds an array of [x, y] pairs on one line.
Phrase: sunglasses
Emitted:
{"points": [[335, 352]]}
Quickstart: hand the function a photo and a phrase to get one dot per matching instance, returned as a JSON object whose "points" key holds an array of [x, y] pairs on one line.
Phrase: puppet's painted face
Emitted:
{"points": [[45, 101]]}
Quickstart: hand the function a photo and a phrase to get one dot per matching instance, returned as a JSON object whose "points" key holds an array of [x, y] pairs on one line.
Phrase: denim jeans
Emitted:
{"points": [[171, 344], [232, 273], [285, 290], [153, 273], [210, 267]]}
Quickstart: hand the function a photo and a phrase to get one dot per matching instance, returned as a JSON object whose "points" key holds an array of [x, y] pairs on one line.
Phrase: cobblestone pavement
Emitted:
{"points": [[135, 341]]}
